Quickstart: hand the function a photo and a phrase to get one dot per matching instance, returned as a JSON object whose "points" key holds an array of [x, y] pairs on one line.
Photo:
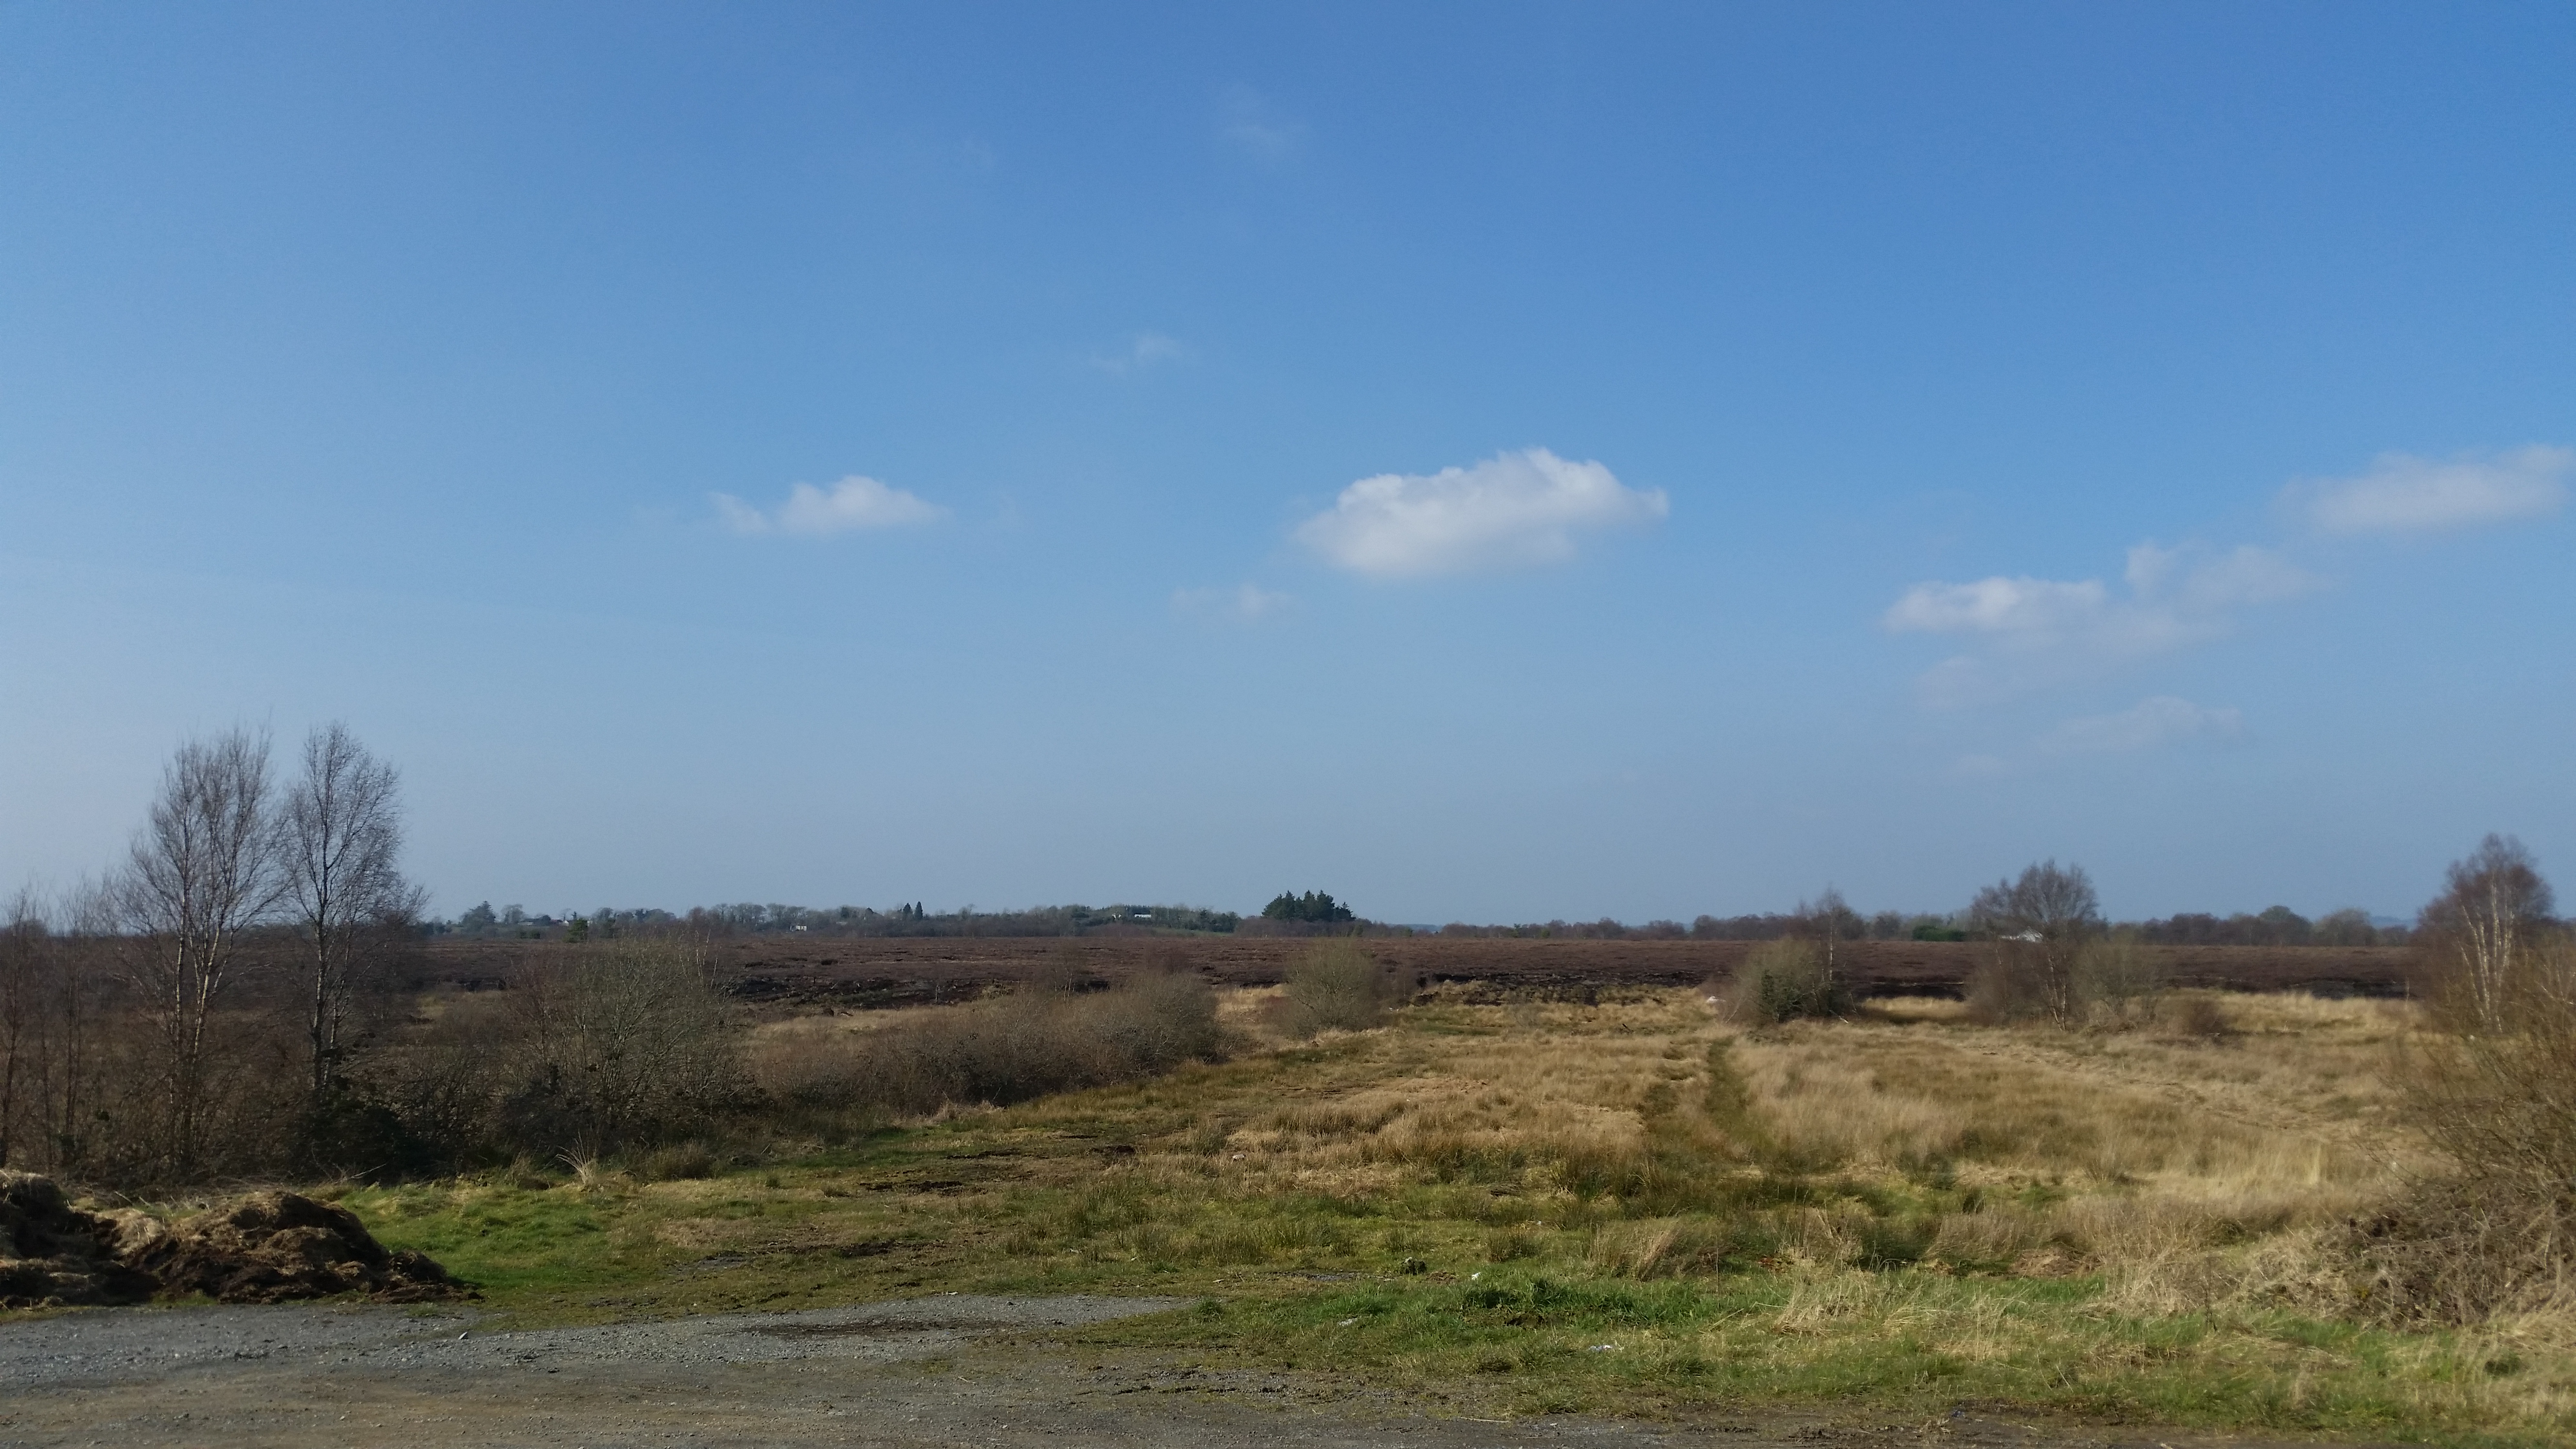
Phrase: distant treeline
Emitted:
{"points": [[2277, 926], [1318, 914], [1842, 922], [750, 919]]}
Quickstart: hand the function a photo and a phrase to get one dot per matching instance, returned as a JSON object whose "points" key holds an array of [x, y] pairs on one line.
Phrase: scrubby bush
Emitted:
{"points": [[1009, 1049], [2117, 980], [2498, 1233], [1783, 981], [595, 1050], [618, 1045], [1337, 985], [2496, 1093], [2201, 1017]]}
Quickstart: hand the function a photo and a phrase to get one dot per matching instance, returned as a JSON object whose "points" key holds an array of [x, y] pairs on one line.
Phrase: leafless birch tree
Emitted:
{"points": [[339, 838], [202, 874], [2483, 930]]}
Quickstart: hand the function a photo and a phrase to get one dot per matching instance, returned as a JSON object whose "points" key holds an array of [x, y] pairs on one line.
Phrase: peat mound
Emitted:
{"points": [[274, 1247], [267, 1247], [53, 1255]]}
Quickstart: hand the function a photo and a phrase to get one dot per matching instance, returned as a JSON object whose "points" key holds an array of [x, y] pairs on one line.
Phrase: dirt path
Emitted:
{"points": [[949, 1370]]}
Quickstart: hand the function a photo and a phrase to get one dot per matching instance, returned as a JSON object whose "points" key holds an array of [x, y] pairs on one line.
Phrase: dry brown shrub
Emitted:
{"points": [[618, 1045], [2004, 986], [2465, 1250], [2201, 1017], [1783, 980], [2497, 1235], [1010, 1049], [1336, 985], [2118, 981]]}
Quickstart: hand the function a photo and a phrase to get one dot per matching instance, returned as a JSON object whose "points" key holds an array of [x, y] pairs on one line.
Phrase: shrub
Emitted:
{"points": [[618, 1045], [1783, 981], [1026, 1045], [2200, 1017], [2116, 978], [2497, 1235], [1337, 986], [2497, 1095]]}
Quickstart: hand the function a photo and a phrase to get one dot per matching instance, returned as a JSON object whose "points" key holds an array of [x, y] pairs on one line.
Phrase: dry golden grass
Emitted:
{"points": [[2148, 1156], [2092, 1149], [2188, 1173], [1896, 1204]]}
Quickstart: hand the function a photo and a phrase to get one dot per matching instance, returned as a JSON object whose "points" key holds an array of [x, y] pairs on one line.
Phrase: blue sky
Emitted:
{"points": [[1491, 463]]}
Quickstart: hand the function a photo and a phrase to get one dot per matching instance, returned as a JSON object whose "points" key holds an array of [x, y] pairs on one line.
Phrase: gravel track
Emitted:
{"points": [[136, 1345], [941, 1371]]}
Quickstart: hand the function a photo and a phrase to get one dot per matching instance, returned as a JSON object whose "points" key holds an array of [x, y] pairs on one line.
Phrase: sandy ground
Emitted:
{"points": [[949, 1370]]}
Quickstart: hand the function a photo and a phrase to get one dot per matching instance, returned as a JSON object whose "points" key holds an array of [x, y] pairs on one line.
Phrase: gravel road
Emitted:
{"points": [[947, 1370], [143, 1345]]}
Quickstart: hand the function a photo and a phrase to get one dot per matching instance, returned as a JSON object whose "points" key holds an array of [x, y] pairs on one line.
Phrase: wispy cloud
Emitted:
{"points": [[2027, 631], [1514, 510], [2405, 494], [2149, 724], [1251, 124], [853, 503], [1141, 351], [1246, 603]]}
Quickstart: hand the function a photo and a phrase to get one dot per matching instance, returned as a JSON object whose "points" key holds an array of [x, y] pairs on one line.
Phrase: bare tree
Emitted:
{"points": [[2039, 925], [23, 943], [340, 834], [50, 993], [202, 874], [2481, 928]]}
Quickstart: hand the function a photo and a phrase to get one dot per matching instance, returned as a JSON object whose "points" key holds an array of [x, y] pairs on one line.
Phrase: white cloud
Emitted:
{"points": [[1252, 125], [852, 503], [2148, 724], [2028, 631], [2405, 494], [1513, 510], [2024, 607], [1142, 351], [1243, 604]]}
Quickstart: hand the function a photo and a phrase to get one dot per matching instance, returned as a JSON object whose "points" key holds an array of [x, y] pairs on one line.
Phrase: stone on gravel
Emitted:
{"points": [[274, 1247], [53, 1255]]}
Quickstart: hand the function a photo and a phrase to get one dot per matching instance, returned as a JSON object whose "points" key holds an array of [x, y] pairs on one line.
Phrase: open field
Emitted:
{"points": [[807, 970], [1519, 1207]]}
